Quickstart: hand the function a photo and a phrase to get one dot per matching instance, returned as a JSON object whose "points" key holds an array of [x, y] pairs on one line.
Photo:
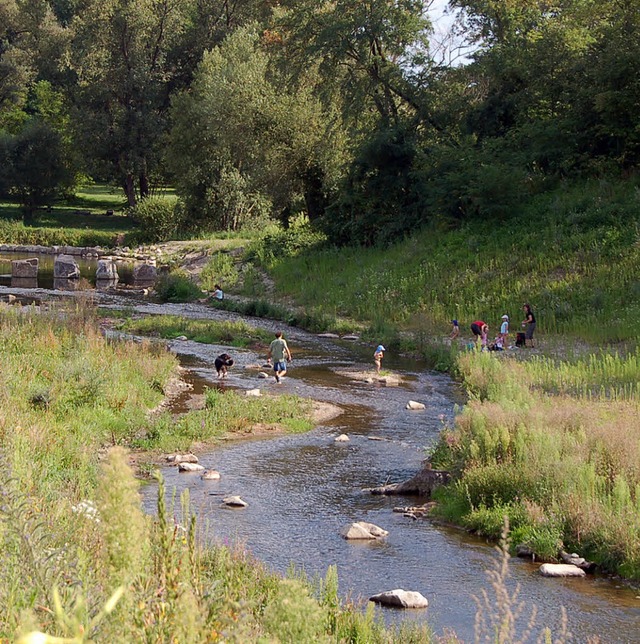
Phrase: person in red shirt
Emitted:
{"points": [[480, 330]]}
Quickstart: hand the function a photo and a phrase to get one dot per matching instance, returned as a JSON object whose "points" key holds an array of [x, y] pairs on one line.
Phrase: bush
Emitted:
{"points": [[159, 218], [220, 269], [177, 287]]}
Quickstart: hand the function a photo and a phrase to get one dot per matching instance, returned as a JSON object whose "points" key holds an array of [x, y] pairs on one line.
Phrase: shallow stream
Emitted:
{"points": [[302, 489]]}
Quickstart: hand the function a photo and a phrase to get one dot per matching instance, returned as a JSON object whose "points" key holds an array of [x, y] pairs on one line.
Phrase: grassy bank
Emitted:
{"points": [[81, 560], [234, 333], [553, 445], [576, 261]]}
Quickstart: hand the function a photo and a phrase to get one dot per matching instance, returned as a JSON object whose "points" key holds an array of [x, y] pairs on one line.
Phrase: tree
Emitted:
{"points": [[245, 145], [35, 168], [120, 53]]}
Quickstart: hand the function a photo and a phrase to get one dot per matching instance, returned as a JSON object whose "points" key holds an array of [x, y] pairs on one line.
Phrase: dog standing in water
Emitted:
{"points": [[223, 361]]}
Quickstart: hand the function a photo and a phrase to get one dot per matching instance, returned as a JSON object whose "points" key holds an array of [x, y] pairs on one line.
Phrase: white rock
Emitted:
{"points": [[235, 502], [262, 374], [253, 392], [190, 467], [182, 458], [343, 438], [182, 338], [362, 530], [351, 337], [401, 599], [412, 404], [561, 570], [334, 336], [211, 475]]}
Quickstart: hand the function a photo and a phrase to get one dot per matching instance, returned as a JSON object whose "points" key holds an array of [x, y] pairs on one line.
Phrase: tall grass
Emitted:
{"points": [[572, 254], [563, 466]]}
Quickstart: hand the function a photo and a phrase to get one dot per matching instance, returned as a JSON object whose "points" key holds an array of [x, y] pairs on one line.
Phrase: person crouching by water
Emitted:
{"points": [[480, 331], [279, 354], [217, 293], [377, 357]]}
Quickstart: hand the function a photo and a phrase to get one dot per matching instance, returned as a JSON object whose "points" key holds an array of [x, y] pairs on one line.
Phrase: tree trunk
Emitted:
{"points": [[144, 181], [129, 190]]}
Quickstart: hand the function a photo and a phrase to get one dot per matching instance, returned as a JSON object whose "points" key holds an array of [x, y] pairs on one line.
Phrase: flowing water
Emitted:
{"points": [[303, 489]]}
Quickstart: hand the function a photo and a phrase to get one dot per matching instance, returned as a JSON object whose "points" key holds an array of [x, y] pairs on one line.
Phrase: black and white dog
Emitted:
{"points": [[223, 361]]}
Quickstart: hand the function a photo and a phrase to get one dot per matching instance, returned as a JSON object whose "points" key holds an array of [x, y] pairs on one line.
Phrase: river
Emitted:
{"points": [[302, 489]]}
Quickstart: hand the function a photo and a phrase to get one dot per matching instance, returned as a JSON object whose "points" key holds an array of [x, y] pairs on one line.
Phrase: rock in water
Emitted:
{"points": [[400, 598], [561, 570], [362, 530], [235, 502], [190, 467]]}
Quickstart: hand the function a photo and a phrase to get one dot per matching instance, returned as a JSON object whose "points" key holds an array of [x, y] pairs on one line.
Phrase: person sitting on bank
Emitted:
{"points": [[217, 293]]}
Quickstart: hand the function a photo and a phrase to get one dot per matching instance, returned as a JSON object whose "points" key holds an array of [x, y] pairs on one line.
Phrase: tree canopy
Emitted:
{"points": [[339, 110]]}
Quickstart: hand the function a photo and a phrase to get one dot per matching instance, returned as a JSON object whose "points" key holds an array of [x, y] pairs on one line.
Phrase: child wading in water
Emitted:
{"points": [[377, 357]]}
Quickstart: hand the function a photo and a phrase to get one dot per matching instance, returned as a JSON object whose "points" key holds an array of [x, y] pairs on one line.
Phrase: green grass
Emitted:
{"points": [[80, 221], [554, 445], [573, 254], [237, 334]]}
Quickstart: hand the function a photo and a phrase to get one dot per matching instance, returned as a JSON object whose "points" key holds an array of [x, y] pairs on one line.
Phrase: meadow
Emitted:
{"points": [[572, 253], [81, 560], [554, 446]]}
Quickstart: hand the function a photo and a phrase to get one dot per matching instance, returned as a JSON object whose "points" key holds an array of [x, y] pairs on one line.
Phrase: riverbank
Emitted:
{"points": [[72, 402]]}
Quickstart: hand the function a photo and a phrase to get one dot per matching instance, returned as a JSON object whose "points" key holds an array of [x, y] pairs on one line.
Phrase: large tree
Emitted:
{"points": [[244, 143]]}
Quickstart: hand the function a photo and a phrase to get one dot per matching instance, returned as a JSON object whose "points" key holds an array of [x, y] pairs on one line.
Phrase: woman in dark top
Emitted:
{"points": [[529, 323]]}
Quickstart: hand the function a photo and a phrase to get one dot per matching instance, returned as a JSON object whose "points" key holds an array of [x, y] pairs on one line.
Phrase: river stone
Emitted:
{"points": [[561, 570], [211, 475], [182, 458], [400, 598], [190, 467], [332, 336], [253, 392], [107, 270], [412, 404], [262, 374], [182, 338], [235, 502], [343, 438], [351, 337], [65, 267], [362, 530], [145, 273], [25, 268]]}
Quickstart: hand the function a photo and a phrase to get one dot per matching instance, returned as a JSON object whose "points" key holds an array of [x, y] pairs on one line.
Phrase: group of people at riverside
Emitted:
{"points": [[480, 331]]}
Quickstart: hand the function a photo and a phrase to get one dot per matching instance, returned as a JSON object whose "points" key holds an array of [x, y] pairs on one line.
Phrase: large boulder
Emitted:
{"points": [[415, 406], [145, 273], [107, 270], [362, 530], [561, 570], [24, 268], [65, 267], [400, 598]]}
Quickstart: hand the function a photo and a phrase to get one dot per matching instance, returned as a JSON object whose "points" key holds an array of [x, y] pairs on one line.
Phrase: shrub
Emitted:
{"points": [[220, 269], [177, 287], [159, 218]]}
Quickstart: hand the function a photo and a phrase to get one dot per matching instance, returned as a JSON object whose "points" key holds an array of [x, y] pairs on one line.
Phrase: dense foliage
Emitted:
{"points": [[343, 111]]}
